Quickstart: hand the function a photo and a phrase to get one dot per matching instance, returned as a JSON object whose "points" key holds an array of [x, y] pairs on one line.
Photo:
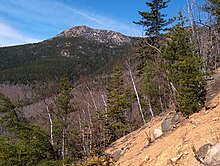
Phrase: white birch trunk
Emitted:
{"points": [[103, 99], [51, 125], [90, 131], [173, 88], [136, 93], [96, 108], [82, 135], [150, 109], [149, 106]]}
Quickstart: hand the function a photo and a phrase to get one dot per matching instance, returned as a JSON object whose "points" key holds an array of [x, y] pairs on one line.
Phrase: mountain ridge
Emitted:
{"points": [[76, 51], [99, 35]]}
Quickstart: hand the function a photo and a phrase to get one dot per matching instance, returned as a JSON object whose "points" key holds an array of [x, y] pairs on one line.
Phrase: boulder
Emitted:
{"points": [[209, 155], [202, 152], [170, 121], [116, 155], [212, 157], [167, 123], [157, 133]]}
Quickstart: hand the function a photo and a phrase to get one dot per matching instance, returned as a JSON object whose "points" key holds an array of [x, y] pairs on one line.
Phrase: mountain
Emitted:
{"points": [[76, 52], [101, 36]]}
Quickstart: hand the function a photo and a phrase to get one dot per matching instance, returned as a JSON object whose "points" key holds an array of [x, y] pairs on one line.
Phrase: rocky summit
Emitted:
{"points": [[102, 36]]}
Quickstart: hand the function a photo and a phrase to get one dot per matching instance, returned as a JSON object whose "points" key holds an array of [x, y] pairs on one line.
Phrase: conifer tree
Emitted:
{"points": [[20, 142], [64, 109], [184, 71], [117, 106], [154, 20], [150, 61]]}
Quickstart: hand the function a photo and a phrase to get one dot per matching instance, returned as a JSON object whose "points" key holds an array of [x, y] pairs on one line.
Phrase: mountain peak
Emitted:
{"points": [[102, 36], [77, 30]]}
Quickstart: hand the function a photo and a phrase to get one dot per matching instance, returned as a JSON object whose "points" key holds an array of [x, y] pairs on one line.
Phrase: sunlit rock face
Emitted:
{"points": [[102, 36]]}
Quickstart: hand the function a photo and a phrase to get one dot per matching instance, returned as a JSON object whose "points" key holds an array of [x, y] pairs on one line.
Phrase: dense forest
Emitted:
{"points": [[168, 68], [51, 59]]}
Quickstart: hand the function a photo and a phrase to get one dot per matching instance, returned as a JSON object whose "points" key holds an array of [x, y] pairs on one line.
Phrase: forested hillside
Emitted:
{"points": [[109, 85], [78, 55]]}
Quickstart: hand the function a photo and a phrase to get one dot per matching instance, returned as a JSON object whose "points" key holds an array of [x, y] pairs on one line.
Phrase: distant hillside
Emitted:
{"points": [[76, 51]]}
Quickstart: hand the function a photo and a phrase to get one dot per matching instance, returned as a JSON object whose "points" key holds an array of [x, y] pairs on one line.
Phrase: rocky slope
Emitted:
{"points": [[102, 36], [174, 147]]}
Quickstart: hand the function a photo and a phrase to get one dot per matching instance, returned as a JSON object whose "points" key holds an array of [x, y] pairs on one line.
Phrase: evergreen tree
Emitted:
{"points": [[20, 142], [150, 61], [64, 109], [184, 71], [150, 86], [117, 106], [154, 20]]}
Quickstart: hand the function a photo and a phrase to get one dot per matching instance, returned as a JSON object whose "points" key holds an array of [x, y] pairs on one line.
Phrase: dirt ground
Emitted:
{"points": [[197, 130]]}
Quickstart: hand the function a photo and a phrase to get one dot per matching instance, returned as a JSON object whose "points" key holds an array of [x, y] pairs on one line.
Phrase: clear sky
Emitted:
{"points": [[25, 21]]}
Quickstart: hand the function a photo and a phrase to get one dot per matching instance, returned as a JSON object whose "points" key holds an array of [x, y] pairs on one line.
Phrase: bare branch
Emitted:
{"points": [[153, 47]]}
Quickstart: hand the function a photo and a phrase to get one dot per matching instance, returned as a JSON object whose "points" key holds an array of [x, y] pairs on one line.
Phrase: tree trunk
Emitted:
{"points": [[150, 109], [149, 106], [105, 104], [93, 99], [136, 93], [161, 102], [82, 135], [63, 144], [51, 125], [90, 131], [195, 36]]}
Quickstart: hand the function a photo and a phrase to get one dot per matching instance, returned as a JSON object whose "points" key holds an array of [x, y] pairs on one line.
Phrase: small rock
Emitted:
{"points": [[193, 122], [116, 155], [175, 159], [124, 150], [211, 105], [216, 119], [146, 146], [157, 133], [177, 117], [186, 153], [145, 160]]}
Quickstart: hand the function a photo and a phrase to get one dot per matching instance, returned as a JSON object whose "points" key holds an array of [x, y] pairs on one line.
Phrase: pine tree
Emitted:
{"points": [[154, 20], [184, 71], [151, 65], [154, 23], [64, 109], [117, 106], [20, 142]]}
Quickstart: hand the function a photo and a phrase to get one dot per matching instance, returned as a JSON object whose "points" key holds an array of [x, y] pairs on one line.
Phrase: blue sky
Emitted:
{"points": [[26, 21]]}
